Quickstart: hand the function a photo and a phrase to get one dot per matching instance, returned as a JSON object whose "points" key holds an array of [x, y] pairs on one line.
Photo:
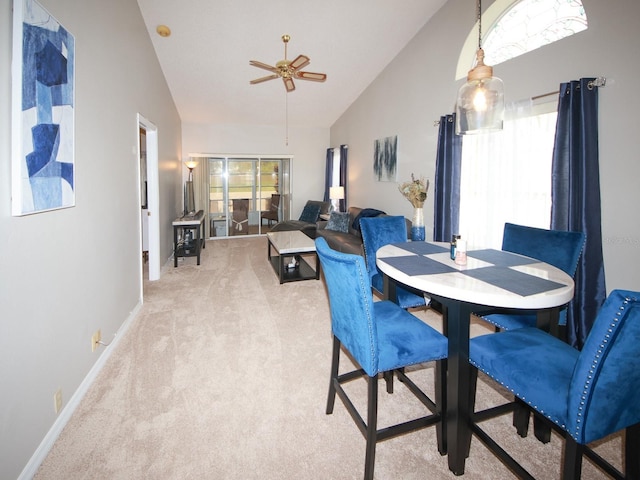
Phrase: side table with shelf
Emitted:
{"points": [[195, 223]]}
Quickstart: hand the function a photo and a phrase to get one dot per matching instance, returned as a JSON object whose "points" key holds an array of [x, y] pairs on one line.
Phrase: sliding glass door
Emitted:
{"points": [[241, 189]]}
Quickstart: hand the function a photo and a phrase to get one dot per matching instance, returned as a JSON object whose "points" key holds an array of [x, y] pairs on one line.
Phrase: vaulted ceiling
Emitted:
{"points": [[205, 60]]}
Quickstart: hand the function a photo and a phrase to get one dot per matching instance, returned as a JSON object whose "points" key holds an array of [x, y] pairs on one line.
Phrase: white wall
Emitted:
{"points": [[418, 87], [307, 145], [67, 273]]}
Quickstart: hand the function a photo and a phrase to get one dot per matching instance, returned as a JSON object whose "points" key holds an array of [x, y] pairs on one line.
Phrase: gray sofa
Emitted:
{"points": [[351, 241]]}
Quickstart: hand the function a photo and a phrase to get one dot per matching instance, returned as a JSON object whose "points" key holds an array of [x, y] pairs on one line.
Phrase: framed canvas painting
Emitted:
{"points": [[43, 74], [385, 159]]}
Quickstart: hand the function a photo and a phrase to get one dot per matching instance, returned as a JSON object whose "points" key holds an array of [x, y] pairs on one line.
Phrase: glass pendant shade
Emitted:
{"points": [[480, 103]]}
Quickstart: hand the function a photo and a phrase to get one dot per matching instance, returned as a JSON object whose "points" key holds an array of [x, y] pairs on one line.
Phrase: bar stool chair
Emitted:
{"points": [[377, 232], [380, 337], [586, 395], [559, 248]]}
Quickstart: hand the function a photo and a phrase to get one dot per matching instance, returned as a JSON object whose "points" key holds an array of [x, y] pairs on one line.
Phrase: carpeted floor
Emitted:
{"points": [[224, 375]]}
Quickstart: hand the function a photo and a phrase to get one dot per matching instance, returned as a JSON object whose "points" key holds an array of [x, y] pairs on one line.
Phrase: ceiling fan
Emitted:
{"points": [[288, 69]]}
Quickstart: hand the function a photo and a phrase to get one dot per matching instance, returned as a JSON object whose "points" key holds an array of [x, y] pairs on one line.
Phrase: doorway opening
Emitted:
{"points": [[150, 198]]}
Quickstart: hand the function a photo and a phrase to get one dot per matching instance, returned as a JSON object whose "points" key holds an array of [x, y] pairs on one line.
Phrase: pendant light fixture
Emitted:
{"points": [[480, 103]]}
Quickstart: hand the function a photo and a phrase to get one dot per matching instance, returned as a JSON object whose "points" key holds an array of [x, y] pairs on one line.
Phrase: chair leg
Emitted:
{"points": [[631, 449], [473, 385], [372, 426], [521, 415], [572, 468], [441, 403], [335, 363], [541, 428], [388, 378]]}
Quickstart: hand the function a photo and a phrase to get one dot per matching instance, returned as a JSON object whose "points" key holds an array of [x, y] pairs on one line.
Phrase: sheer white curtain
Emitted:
{"points": [[506, 176]]}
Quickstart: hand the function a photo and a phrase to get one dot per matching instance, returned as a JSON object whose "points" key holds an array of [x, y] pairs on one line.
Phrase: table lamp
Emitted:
{"points": [[336, 194]]}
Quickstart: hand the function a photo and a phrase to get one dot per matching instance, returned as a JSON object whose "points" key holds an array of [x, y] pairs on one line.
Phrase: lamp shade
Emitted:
{"points": [[480, 103], [336, 193]]}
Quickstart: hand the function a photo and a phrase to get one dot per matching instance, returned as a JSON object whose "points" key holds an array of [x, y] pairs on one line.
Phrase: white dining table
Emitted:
{"points": [[491, 279]]}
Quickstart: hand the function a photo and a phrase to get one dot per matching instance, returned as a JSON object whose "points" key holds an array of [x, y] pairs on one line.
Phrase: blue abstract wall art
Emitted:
{"points": [[385, 159], [43, 175]]}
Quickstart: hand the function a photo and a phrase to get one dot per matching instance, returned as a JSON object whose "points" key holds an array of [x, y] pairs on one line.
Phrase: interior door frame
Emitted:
{"points": [[153, 196]]}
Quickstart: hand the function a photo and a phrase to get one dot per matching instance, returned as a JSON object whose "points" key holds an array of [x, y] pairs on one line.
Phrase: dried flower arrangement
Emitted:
{"points": [[415, 191]]}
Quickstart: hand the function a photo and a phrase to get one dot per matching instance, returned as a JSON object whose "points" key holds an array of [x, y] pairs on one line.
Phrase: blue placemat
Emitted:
{"points": [[500, 258], [421, 248], [517, 282], [418, 265]]}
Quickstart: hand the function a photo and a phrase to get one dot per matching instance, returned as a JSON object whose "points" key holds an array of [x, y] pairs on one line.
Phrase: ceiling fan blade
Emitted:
{"points": [[316, 77], [288, 84], [255, 63], [264, 79], [299, 62]]}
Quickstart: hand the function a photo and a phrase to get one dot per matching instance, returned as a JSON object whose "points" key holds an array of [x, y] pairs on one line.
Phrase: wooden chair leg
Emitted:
{"points": [[572, 468], [441, 402], [372, 426], [335, 363], [388, 378], [541, 428], [473, 385], [521, 415], [631, 449]]}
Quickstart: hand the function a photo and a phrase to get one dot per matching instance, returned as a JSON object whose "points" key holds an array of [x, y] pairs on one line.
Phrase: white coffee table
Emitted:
{"points": [[291, 247]]}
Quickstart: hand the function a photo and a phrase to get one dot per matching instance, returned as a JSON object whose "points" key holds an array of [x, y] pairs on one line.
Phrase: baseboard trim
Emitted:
{"points": [[52, 435]]}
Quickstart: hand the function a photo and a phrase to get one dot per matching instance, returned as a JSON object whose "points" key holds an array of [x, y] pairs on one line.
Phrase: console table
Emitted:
{"points": [[193, 222]]}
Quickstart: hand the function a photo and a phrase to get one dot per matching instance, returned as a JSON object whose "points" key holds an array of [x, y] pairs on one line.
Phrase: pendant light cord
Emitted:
{"points": [[479, 24]]}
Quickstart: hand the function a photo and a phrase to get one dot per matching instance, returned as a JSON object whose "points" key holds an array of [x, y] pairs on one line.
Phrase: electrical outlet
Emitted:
{"points": [[57, 401], [95, 340]]}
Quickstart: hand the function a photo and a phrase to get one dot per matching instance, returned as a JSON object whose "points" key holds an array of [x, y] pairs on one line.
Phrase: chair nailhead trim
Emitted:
{"points": [[585, 390]]}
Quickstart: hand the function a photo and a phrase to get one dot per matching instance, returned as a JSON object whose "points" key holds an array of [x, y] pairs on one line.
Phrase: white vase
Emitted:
{"points": [[417, 226]]}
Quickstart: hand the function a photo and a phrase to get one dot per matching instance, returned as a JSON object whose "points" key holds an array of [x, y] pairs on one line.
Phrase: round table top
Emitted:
{"points": [[491, 277]]}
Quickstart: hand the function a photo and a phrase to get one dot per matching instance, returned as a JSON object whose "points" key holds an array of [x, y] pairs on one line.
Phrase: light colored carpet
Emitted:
{"points": [[224, 375]]}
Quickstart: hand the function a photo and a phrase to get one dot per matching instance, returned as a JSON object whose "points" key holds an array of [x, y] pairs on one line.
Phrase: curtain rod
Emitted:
{"points": [[596, 82], [437, 122]]}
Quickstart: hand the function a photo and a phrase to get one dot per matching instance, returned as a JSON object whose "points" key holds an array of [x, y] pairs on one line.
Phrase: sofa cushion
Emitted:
{"points": [[310, 213], [365, 212], [342, 242], [339, 222]]}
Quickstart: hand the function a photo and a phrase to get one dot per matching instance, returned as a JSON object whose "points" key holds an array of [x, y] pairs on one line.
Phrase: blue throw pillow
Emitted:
{"points": [[310, 213], [338, 222]]}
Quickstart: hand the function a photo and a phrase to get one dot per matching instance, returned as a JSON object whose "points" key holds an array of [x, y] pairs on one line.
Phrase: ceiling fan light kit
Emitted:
{"points": [[480, 102], [288, 70]]}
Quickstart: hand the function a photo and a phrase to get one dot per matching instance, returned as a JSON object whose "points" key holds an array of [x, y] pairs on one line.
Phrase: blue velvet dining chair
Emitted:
{"points": [[377, 232], [561, 249], [586, 395], [379, 337]]}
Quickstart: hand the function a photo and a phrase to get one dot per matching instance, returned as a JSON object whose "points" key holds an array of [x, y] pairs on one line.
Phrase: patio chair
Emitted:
{"points": [[240, 218], [271, 215]]}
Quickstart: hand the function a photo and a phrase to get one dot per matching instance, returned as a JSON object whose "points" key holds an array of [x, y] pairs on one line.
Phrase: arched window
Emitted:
{"points": [[520, 26]]}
